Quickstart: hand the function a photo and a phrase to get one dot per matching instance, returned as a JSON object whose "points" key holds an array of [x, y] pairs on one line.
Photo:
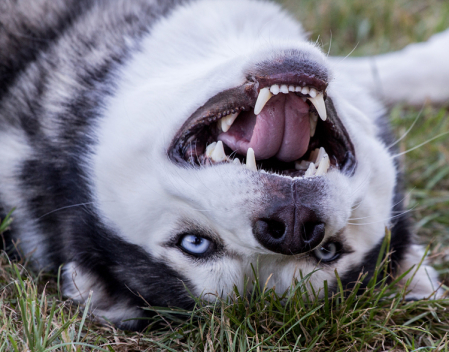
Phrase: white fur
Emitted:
{"points": [[80, 286], [13, 151], [199, 50], [210, 45], [413, 75]]}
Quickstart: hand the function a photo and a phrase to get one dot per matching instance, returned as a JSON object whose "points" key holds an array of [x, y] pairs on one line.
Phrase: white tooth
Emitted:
{"points": [[291, 88], [297, 89], [302, 165], [305, 90], [324, 166], [251, 160], [227, 121], [319, 157], [318, 102], [236, 161], [210, 149], [274, 89], [218, 154], [313, 122], [312, 92], [310, 171], [284, 89], [262, 99]]}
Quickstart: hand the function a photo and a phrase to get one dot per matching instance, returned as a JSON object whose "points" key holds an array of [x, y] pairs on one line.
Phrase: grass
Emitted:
{"points": [[34, 317]]}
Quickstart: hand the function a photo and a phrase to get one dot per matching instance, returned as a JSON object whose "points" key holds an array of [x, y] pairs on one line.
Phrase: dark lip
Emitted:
{"points": [[243, 98], [295, 79]]}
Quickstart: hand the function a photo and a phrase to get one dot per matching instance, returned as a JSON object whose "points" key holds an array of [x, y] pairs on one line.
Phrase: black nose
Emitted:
{"points": [[289, 229]]}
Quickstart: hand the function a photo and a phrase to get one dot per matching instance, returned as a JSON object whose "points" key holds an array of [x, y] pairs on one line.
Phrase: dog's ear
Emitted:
{"points": [[424, 283], [87, 288]]}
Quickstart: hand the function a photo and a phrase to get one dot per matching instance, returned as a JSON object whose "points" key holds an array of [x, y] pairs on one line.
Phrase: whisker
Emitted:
{"points": [[355, 47], [330, 46], [66, 207], [382, 220], [420, 145], [398, 202], [407, 132]]}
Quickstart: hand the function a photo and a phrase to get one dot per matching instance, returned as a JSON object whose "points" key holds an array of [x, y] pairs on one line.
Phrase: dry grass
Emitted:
{"points": [[34, 317]]}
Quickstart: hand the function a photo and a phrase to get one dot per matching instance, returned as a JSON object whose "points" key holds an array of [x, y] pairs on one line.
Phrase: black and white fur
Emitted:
{"points": [[92, 93]]}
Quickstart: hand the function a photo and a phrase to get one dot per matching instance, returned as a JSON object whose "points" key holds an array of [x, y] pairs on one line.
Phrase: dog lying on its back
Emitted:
{"points": [[151, 146]]}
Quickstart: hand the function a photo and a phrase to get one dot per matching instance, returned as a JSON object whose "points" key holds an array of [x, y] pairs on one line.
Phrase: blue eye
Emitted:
{"points": [[328, 252], [194, 244]]}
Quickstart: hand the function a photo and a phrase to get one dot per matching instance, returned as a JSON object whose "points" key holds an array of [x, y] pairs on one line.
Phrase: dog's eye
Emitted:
{"points": [[194, 244], [328, 252]]}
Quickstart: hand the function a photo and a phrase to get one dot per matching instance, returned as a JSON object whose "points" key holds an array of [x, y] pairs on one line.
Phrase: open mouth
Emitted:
{"points": [[284, 125]]}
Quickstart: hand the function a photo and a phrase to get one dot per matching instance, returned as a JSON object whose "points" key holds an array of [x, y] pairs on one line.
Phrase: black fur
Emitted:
{"points": [[53, 178], [401, 231]]}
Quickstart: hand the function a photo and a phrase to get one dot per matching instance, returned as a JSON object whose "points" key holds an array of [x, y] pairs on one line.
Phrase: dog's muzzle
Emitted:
{"points": [[290, 220], [282, 126]]}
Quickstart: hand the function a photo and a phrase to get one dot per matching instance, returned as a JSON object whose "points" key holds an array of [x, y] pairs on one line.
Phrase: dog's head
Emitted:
{"points": [[229, 144]]}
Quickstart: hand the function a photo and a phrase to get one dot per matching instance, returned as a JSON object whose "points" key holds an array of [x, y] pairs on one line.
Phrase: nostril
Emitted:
{"points": [[272, 228], [313, 234], [309, 230]]}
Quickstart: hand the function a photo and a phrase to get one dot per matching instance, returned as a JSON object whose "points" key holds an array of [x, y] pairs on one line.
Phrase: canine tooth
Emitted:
{"points": [[298, 89], [312, 92], [291, 88], [318, 102], [310, 171], [274, 89], [284, 89], [251, 160], [313, 122], [303, 165], [305, 90], [210, 149], [324, 166], [218, 154], [262, 99], [227, 121], [320, 155]]}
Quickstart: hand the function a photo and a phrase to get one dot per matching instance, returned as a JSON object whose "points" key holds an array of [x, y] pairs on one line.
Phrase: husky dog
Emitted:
{"points": [[161, 147]]}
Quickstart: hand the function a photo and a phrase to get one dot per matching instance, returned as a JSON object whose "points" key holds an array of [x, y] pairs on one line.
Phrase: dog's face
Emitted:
{"points": [[231, 144]]}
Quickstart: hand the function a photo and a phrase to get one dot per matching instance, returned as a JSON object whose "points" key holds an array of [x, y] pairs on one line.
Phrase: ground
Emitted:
{"points": [[34, 317]]}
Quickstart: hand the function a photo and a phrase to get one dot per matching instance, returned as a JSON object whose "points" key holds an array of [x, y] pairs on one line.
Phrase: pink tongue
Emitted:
{"points": [[282, 129]]}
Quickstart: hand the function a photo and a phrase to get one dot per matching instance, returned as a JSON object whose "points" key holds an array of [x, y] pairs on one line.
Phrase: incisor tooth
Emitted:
{"points": [[284, 89], [313, 122], [227, 121], [302, 165], [218, 154], [251, 160], [305, 90], [262, 99], [236, 161], [324, 166], [313, 92], [274, 89], [291, 88], [318, 102]]}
